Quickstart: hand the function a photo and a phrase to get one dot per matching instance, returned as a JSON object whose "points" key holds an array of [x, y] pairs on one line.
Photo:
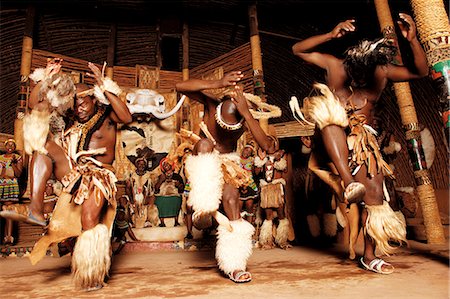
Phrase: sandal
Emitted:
{"points": [[376, 265], [30, 219], [239, 274], [354, 192]]}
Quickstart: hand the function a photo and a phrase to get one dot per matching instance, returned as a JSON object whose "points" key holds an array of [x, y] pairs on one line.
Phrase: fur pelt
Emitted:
{"points": [[383, 226], [265, 234], [282, 233], [91, 257], [429, 148], [108, 85], [234, 248], [329, 224], [260, 162], [206, 181], [325, 109], [36, 126], [59, 91], [37, 75], [313, 225]]}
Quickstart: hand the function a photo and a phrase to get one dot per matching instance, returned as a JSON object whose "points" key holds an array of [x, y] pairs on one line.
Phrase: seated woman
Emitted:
{"points": [[10, 170], [169, 186]]}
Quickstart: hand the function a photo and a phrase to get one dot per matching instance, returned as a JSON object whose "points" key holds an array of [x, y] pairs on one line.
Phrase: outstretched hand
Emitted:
{"points": [[53, 66], [239, 100], [343, 28], [407, 26], [96, 73], [232, 78]]}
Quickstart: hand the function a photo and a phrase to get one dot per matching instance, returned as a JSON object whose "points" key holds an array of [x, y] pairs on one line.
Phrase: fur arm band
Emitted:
{"points": [[37, 75], [107, 85], [260, 163], [280, 165]]}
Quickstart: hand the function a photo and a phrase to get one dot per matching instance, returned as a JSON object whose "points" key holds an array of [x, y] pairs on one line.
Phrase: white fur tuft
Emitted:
{"points": [[383, 226], [429, 148], [91, 257], [234, 248], [37, 75], [282, 233], [206, 181], [265, 234], [36, 126]]}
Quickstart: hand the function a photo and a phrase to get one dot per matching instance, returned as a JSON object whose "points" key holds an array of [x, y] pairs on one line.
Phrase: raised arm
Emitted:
{"points": [[399, 73], [196, 89], [305, 48], [120, 113], [53, 67], [261, 138]]}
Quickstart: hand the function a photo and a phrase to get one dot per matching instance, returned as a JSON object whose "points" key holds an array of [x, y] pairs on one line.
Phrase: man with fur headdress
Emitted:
{"points": [[214, 171], [356, 82], [82, 161]]}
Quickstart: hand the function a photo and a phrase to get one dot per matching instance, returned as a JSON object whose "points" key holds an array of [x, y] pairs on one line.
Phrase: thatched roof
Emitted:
{"points": [[81, 29]]}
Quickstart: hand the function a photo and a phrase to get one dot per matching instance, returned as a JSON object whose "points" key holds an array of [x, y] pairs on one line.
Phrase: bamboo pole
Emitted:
{"points": [[111, 52], [434, 33], [427, 197], [25, 70], [258, 76]]}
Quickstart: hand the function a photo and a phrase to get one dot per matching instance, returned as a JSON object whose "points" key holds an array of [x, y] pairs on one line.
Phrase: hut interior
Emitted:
{"points": [[146, 37]]}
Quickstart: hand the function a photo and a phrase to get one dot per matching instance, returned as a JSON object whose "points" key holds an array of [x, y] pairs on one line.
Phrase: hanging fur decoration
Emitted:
{"points": [[429, 148]]}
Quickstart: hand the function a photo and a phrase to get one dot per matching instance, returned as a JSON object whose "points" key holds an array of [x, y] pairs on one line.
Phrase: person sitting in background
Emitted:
{"points": [[169, 184]]}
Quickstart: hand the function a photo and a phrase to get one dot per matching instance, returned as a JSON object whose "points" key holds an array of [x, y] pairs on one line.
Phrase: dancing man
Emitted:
{"points": [[356, 82], [214, 172], [83, 163]]}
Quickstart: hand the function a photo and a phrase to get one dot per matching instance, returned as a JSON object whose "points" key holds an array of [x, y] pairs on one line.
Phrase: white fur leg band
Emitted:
{"points": [[91, 257], [234, 248], [206, 181], [36, 126], [266, 234], [282, 233], [382, 225]]}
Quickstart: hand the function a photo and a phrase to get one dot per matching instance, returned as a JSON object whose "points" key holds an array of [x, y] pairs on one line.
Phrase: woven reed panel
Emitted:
{"points": [[239, 59], [12, 25]]}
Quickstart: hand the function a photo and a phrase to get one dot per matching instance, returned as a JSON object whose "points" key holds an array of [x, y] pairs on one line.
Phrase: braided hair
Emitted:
{"points": [[361, 60]]}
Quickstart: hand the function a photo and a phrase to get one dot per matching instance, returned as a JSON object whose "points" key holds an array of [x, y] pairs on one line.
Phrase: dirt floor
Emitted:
{"points": [[422, 271]]}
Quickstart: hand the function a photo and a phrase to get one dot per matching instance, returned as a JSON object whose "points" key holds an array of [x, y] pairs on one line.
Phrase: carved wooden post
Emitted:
{"points": [[427, 197], [25, 70], [258, 77], [434, 33], [111, 52]]}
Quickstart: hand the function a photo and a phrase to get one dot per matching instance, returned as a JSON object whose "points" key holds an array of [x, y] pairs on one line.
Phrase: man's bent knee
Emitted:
{"points": [[203, 146]]}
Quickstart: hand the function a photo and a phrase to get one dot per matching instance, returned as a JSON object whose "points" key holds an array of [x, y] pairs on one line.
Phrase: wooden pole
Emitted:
{"points": [[158, 44], [258, 77], [187, 121], [111, 52], [434, 33], [427, 197], [25, 70]]}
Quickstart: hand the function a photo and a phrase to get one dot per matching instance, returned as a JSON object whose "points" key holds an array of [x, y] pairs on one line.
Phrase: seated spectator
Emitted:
{"points": [[168, 189]]}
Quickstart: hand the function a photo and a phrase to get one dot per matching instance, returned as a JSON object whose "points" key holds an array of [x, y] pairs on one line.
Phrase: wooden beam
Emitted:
{"points": [[111, 52]]}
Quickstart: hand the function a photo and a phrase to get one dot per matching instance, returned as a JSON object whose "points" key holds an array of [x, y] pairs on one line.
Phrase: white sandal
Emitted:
{"points": [[376, 265], [239, 274]]}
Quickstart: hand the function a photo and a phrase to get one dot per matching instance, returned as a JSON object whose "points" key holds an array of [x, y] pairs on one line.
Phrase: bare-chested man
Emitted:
{"points": [[225, 121], [81, 160], [358, 81]]}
